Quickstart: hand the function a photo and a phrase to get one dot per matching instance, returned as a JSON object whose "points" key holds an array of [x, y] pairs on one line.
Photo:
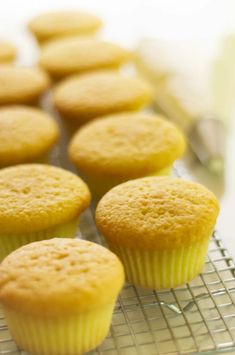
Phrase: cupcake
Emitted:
{"points": [[160, 228], [120, 147], [52, 25], [7, 52], [21, 85], [26, 134], [58, 295], [77, 55], [83, 97], [38, 202]]}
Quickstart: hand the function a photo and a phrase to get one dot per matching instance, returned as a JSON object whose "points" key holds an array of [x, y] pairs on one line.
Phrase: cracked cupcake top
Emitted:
{"points": [[76, 55], [84, 97], [26, 133], [34, 197], [157, 212], [21, 85], [51, 25], [60, 276], [126, 145]]}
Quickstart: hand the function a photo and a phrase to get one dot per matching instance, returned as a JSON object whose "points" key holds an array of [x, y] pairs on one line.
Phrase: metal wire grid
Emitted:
{"points": [[198, 317]]}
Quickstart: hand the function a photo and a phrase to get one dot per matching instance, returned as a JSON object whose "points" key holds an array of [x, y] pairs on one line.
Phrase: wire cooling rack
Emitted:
{"points": [[197, 318]]}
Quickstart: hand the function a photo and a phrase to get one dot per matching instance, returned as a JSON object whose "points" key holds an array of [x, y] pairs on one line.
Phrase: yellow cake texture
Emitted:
{"points": [[159, 227], [67, 56], [26, 134], [7, 52], [38, 201], [84, 97], [53, 25], [58, 295], [21, 85], [124, 146]]}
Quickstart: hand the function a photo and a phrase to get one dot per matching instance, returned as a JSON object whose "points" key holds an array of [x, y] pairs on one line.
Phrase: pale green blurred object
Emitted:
{"points": [[194, 83]]}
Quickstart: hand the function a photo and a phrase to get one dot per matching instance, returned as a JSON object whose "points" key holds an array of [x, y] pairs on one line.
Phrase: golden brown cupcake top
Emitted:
{"points": [[7, 52], [75, 55], [157, 212], [83, 97], [59, 277], [126, 145], [56, 24], [19, 85], [34, 197], [26, 133]]}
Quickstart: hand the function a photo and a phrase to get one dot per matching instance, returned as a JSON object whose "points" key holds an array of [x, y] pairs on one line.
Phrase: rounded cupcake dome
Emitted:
{"points": [[84, 97], [126, 145], [7, 52], [61, 276], [77, 55], [26, 134], [35, 197], [160, 228], [63, 291], [21, 85], [157, 212], [56, 24]]}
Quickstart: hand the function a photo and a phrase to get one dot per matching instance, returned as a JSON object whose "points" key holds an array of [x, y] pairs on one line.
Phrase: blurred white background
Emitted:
{"points": [[127, 22]]}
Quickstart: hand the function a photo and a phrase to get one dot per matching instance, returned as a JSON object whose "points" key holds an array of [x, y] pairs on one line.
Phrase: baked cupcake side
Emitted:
{"points": [[58, 295], [26, 134], [73, 55], [22, 85], [81, 98], [120, 147], [52, 25], [39, 202], [7, 52], [159, 227]]}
